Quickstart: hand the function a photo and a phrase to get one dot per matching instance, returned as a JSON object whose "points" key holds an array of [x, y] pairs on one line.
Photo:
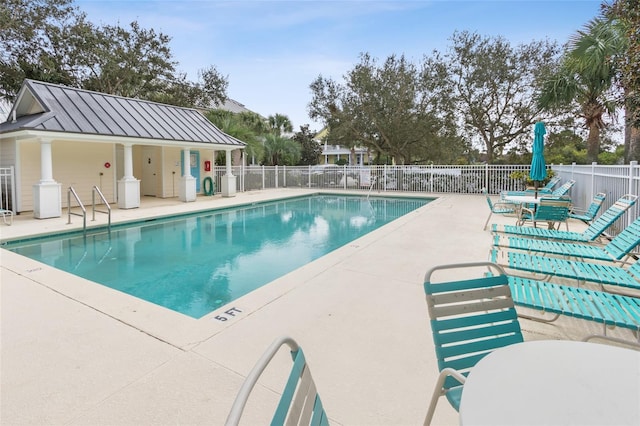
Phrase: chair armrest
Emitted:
{"points": [[526, 213], [446, 372], [506, 205], [577, 211]]}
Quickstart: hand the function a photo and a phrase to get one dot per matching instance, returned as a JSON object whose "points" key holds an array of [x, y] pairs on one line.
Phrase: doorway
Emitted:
{"points": [[149, 171]]}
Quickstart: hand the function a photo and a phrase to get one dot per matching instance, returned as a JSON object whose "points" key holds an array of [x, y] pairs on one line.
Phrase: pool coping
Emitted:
{"points": [[91, 356], [166, 325]]}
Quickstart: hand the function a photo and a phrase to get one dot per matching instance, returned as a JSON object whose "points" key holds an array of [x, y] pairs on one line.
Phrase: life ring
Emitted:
{"points": [[207, 186]]}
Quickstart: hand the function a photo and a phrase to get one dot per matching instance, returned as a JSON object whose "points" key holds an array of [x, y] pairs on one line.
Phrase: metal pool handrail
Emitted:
{"points": [[84, 211], [106, 203]]}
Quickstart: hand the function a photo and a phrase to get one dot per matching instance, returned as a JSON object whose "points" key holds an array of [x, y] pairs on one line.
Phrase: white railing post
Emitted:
{"points": [[275, 178], [632, 166], [263, 176], [593, 180], [243, 172], [431, 177], [486, 177], [384, 175], [344, 176]]}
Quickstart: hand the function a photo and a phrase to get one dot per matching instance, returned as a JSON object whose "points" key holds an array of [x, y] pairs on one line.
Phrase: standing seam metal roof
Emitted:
{"points": [[74, 110]]}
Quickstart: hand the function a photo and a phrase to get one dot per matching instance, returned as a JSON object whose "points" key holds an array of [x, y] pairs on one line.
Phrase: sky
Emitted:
{"points": [[271, 51]]}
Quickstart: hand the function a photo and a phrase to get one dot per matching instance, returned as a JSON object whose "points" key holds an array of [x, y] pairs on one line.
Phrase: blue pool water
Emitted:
{"points": [[195, 263]]}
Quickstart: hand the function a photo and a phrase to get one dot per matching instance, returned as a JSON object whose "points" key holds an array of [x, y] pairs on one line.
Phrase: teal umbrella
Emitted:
{"points": [[538, 171]]}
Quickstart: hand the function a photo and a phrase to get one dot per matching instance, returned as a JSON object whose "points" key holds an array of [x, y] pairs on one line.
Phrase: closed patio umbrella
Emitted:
{"points": [[538, 170]]}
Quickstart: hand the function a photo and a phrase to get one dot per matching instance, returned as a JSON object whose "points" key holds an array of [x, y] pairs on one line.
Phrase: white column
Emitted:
{"points": [[128, 186], [186, 160], [227, 160], [187, 190], [228, 180], [47, 193], [128, 162], [46, 162]]}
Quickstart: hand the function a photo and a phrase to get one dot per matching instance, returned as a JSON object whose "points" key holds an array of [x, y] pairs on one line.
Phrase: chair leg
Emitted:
{"points": [[439, 391], [487, 222], [4, 217]]}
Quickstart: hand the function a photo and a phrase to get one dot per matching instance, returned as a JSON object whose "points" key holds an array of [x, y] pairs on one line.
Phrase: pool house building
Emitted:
{"points": [[57, 138]]}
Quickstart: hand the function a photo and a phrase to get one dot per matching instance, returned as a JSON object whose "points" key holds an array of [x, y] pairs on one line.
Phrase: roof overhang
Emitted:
{"points": [[40, 135]]}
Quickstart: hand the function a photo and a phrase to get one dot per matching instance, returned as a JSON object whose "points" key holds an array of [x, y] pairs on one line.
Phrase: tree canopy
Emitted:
{"points": [[380, 106], [52, 41], [491, 86], [310, 150], [482, 91], [584, 83]]}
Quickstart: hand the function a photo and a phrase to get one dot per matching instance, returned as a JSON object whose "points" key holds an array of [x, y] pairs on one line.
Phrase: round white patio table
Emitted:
{"points": [[522, 199], [554, 382]]}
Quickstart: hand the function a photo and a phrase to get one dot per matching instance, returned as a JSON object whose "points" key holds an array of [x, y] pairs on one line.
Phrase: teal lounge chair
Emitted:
{"points": [[299, 404], [499, 207], [618, 248], [602, 307], [7, 214], [547, 189], [590, 213], [469, 317], [610, 274], [592, 233], [552, 211], [563, 189]]}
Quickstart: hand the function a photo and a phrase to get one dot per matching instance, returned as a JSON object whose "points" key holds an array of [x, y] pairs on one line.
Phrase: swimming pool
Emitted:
{"points": [[195, 263]]}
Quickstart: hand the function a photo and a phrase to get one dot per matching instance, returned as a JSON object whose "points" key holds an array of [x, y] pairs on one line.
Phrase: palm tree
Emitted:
{"points": [[624, 15], [280, 151], [587, 77], [234, 125], [280, 124]]}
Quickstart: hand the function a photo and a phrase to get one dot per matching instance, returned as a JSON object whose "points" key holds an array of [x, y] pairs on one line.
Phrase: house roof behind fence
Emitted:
{"points": [[57, 108]]}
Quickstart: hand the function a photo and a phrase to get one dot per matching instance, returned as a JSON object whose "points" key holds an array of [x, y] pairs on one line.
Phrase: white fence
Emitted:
{"points": [[615, 181], [434, 178], [7, 189]]}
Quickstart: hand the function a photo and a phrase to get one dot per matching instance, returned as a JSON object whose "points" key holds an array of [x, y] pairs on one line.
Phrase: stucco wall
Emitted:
{"points": [[80, 164], [75, 164], [171, 160], [7, 153], [171, 172]]}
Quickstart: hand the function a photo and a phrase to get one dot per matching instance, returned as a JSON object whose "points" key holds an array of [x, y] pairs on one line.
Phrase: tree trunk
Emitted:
{"points": [[489, 156], [634, 143], [236, 157], [593, 142]]}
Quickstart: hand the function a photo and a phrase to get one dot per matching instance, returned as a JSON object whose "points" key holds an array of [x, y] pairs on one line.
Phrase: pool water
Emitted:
{"points": [[195, 263]]}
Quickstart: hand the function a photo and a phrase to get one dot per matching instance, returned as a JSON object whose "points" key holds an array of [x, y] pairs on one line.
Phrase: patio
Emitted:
{"points": [[74, 352]]}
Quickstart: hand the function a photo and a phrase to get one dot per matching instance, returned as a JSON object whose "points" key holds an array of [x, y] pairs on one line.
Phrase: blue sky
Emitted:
{"points": [[270, 51]]}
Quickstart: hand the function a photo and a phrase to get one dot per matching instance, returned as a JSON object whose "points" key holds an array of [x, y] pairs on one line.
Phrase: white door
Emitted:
{"points": [[149, 171]]}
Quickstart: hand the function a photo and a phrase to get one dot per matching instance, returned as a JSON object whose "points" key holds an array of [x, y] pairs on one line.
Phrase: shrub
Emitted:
{"points": [[523, 176]]}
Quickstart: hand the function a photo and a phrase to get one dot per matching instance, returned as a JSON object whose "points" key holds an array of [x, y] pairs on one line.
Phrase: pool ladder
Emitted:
{"points": [[95, 190], [373, 182]]}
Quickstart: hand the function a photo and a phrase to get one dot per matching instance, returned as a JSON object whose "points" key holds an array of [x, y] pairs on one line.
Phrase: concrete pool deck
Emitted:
{"points": [[76, 353]]}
